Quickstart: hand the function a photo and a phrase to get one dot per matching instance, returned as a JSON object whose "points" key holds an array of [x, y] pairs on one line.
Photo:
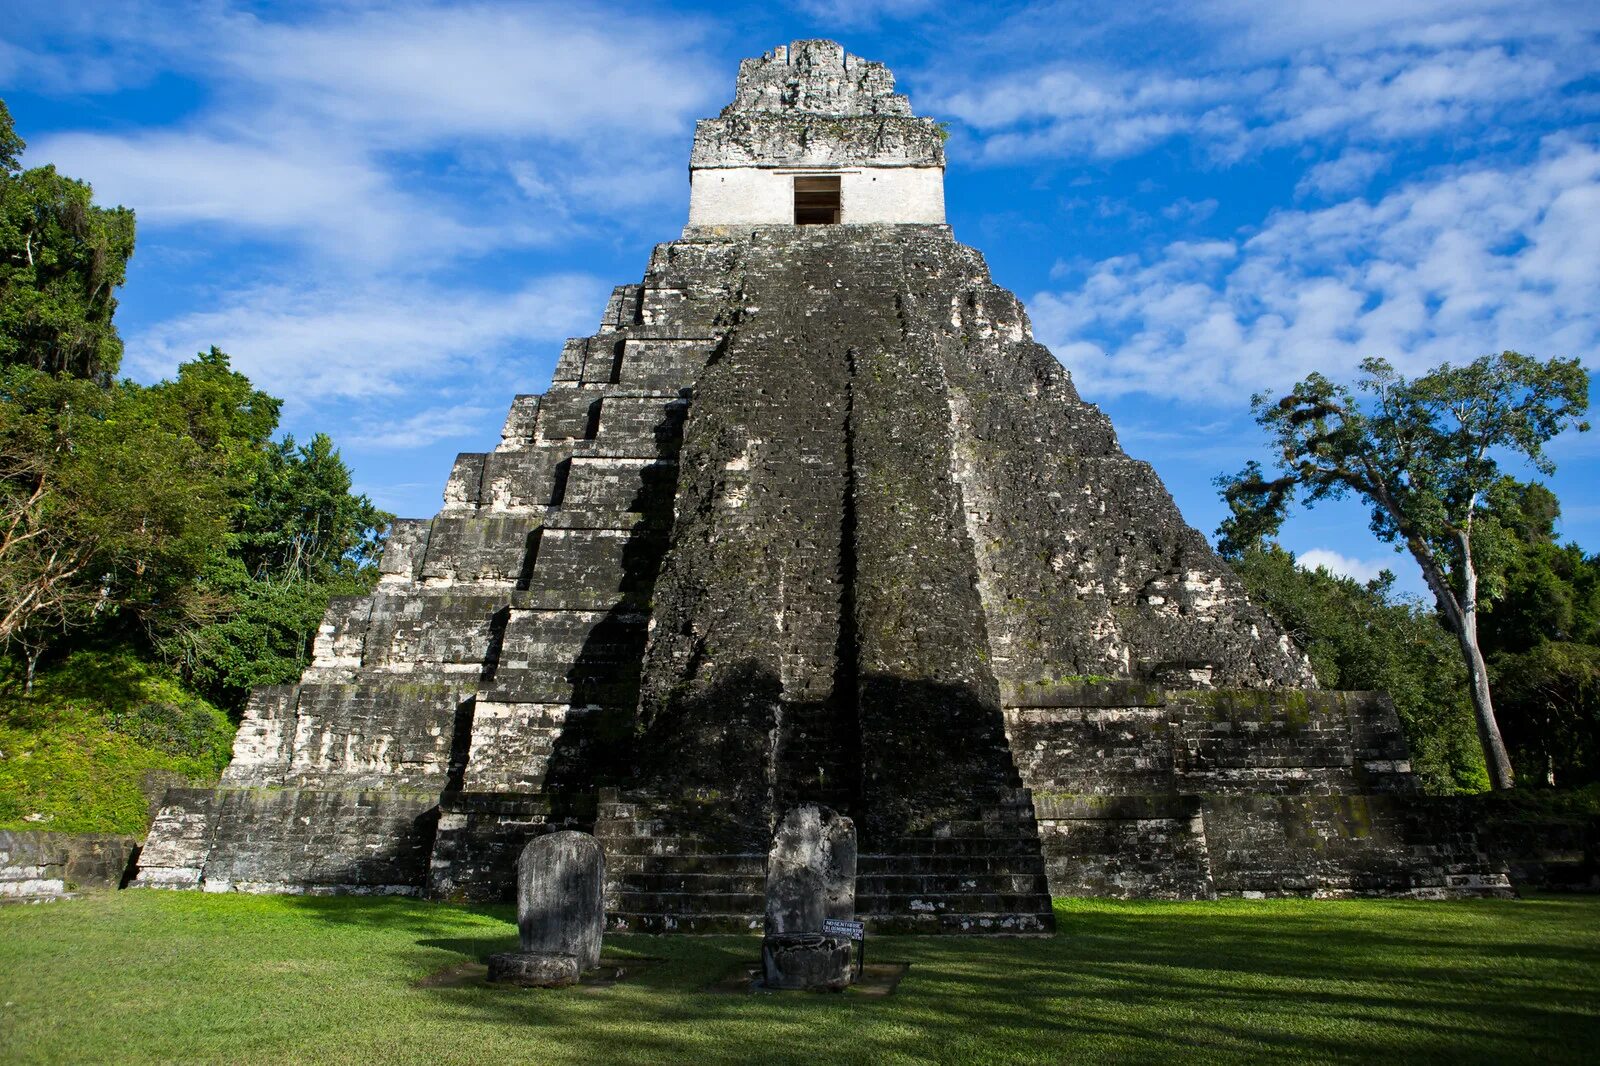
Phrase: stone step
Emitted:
{"points": [[953, 903], [1012, 825], [686, 902], [624, 865], [974, 845], [700, 924], [623, 828], [645, 846], [1033, 923], [944, 884], [947, 865], [692, 882]]}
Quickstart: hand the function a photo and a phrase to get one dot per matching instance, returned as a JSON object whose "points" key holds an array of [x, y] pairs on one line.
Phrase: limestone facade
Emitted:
{"points": [[812, 110]]}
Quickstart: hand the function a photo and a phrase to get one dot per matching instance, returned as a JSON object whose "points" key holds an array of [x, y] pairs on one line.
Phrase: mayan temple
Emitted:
{"points": [[811, 517]]}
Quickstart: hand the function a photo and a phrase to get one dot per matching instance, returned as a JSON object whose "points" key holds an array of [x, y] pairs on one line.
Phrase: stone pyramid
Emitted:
{"points": [[811, 517]]}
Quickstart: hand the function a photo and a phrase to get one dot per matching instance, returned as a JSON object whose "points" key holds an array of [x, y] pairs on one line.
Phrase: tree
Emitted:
{"points": [[1422, 454], [1359, 636], [104, 509], [1549, 699], [61, 262], [1546, 591], [298, 538], [1541, 637], [295, 537]]}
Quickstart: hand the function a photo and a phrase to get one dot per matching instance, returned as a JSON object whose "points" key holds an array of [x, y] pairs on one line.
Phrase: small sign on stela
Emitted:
{"points": [[850, 931], [841, 927]]}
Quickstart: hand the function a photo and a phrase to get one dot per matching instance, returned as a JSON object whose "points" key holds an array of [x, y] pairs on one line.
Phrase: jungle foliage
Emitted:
{"points": [[1541, 639], [1423, 454], [61, 261], [163, 549]]}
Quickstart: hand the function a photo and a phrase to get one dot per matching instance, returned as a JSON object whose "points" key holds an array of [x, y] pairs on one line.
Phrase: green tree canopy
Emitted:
{"points": [[108, 510], [1423, 454], [61, 262], [1360, 636]]}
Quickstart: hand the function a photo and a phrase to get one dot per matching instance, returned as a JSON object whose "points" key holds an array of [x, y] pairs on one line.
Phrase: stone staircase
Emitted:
{"points": [[981, 875], [984, 874], [661, 882]]}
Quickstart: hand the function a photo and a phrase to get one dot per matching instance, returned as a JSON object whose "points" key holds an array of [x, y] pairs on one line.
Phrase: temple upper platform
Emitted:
{"points": [[816, 136]]}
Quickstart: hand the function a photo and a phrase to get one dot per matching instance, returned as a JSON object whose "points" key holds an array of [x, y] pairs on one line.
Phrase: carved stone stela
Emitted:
{"points": [[811, 877], [812, 518]]}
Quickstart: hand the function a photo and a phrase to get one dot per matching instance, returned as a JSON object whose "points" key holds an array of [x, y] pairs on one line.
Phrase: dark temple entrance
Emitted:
{"points": [[816, 201]]}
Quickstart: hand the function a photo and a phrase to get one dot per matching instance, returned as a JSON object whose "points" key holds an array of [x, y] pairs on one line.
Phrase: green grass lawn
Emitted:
{"points": [[139, 976]]}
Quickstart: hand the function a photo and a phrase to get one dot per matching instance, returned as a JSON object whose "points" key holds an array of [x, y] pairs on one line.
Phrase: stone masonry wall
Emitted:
{"points": [[1185, 795], [36, 865]]}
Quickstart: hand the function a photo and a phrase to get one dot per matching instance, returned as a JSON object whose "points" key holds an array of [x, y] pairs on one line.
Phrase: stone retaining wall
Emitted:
{"points": [[36, 865]]}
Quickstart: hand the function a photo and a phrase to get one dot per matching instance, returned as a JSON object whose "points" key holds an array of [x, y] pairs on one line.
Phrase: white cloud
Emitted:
{"points": [[292, 189], [1476, 259], [1368, 73], [1342, 565], [434, 72], [1349, 173], [1385, 95], [862, 12], [1061, 110], [1276, 26], [1187, 210], [316, 130], [372, 341], [425, 427]]}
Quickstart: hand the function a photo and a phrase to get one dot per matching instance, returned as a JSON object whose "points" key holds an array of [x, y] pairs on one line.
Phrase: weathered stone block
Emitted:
{"points": [[36, 864], [534, 969], [811, 871], [806, 961]]}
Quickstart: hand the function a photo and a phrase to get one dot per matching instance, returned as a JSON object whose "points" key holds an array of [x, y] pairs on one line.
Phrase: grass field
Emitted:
{"points": [[141, 976]]}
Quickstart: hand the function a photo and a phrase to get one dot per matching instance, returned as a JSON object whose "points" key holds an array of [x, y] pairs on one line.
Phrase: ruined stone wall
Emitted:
{"points": [[1144, 793], [38, 865]]}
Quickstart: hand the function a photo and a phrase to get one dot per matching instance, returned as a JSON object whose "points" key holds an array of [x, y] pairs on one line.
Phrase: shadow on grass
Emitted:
{"points": [[1328, 981]]}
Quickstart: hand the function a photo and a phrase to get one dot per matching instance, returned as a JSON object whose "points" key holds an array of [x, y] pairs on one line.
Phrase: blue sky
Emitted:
{"points": [[391, 215]]}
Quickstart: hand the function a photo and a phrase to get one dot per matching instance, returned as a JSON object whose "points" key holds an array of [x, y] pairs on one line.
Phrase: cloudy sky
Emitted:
{"points": [[392, 214]]}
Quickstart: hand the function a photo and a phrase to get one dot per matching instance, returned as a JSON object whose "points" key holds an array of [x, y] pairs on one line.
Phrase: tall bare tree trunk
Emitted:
{"points": [[1462, 614], [1494, 748]]}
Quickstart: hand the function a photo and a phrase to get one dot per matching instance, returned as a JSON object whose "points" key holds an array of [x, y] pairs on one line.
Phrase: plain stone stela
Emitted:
{"points": [[815, 136], [561, 896]]}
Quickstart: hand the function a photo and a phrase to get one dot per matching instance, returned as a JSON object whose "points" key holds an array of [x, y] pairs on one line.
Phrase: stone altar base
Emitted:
{"points": [[534, 969], [806, 961]]}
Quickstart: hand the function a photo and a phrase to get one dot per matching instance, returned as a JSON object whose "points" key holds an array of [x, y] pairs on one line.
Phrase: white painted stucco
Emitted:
{"points": [[756, 196]]}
